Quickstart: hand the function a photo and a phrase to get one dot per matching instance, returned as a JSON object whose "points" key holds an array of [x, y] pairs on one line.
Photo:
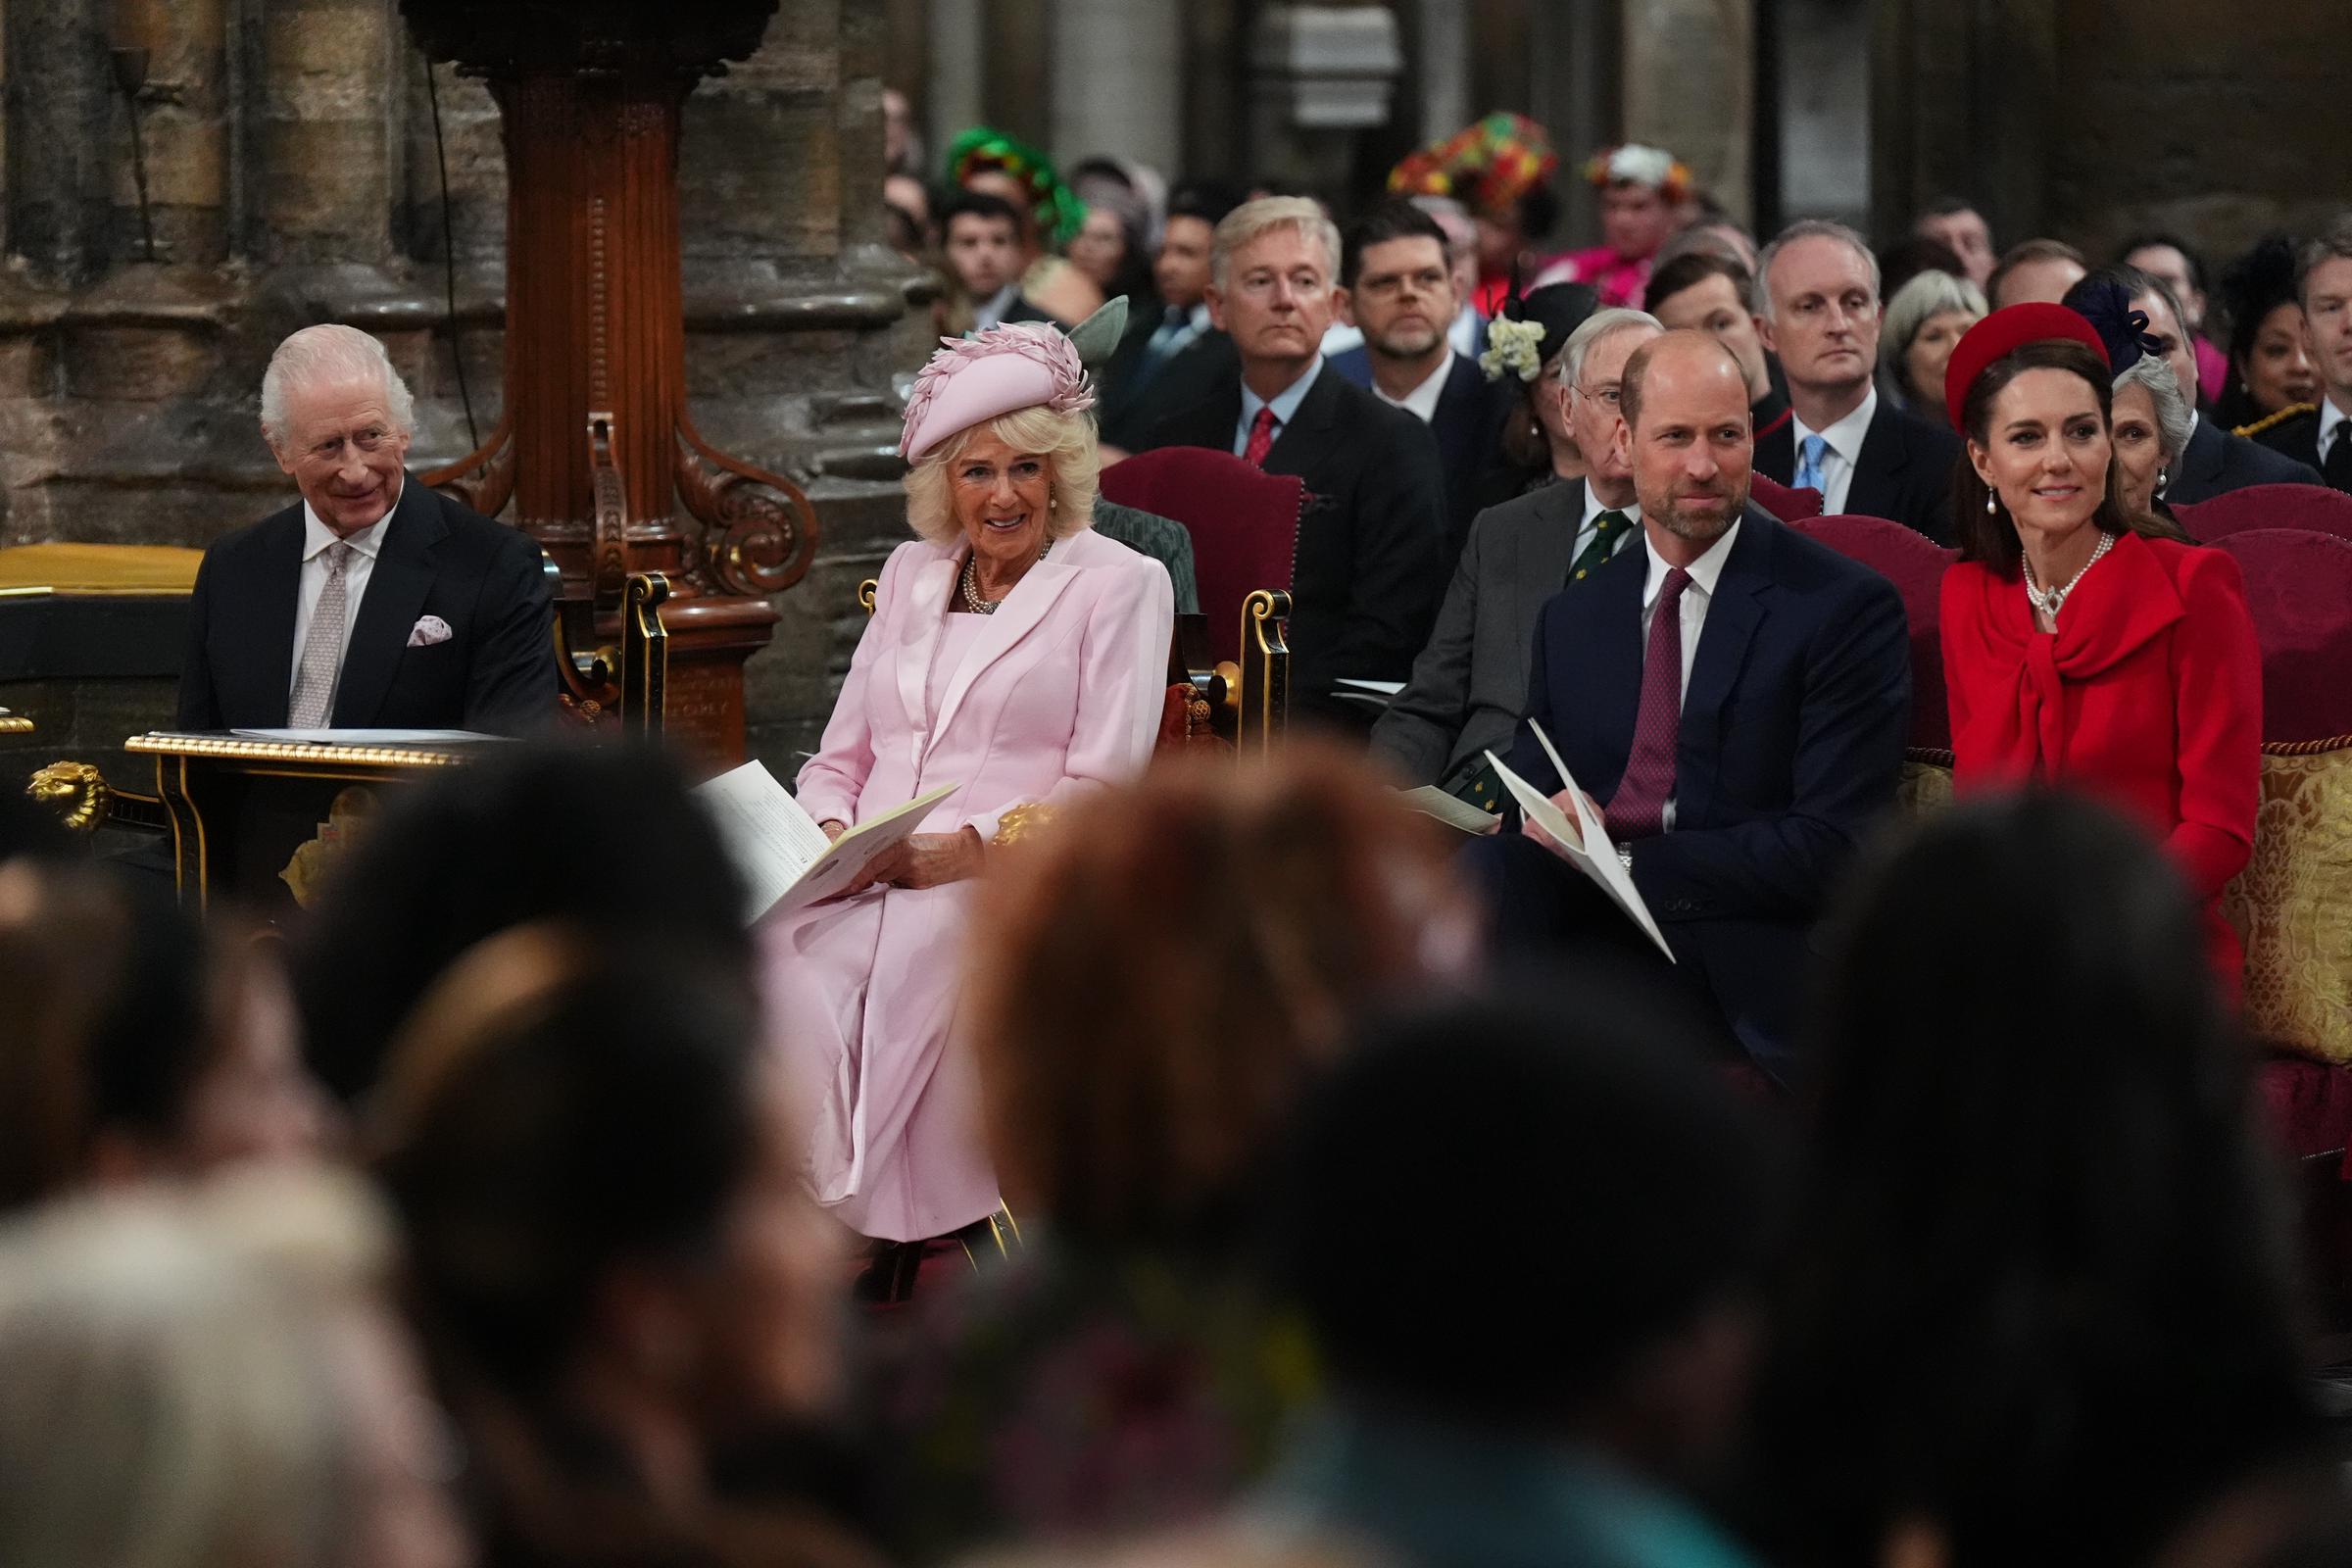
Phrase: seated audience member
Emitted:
{"points": [[2321, 438], [1718, 237], [1501, 169], [1862, 453], [2271, 373], [1713, 294], [291, 622], [630, 1303], [2034, 271], [1098, 340], [1954, 221], [980, 235], [1924, 321], [1562, 1346], [2175, 263], [1467, 333], [2084, 643], [1641, 193], [1110, 249], [1469, 687], [2213, 459], [1370, 564], [2040, 1307], [1048, 212], [1012, 655], [1172, 360], [1524, 345], [134, 1045], [1735, 694], [908, 204], [605, 840], [211, 1379], [1397, 284], [1237, 925], [1903, 259]]}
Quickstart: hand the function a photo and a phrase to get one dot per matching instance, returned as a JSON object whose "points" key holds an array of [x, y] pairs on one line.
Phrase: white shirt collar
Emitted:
{"points": [[1845, 437], [317, 535], [1706, 571], [1422, 401], [990, 311], [1595, 507], [2330, 418], [1284, 403]]}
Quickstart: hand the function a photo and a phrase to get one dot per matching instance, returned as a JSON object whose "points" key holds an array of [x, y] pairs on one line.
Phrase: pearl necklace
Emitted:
{"points": [[2049, 600], [971, 582]]}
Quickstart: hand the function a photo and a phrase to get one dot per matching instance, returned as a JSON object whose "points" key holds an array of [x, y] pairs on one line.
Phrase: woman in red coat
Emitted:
{"points": [[2083, 646]]}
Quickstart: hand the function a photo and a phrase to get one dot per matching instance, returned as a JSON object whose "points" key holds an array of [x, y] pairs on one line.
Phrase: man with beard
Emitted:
{"points": [[1734, 696]]}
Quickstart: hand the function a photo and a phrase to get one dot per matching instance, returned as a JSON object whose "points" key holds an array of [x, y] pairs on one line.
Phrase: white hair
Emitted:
{"points": [[2173, 423], [331, 353], [1600, 324], [1248, 222], [1810, 228]]}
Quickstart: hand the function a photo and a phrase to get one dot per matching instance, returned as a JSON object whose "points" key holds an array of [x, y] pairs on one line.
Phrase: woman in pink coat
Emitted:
{"points": [[1012, 654]]}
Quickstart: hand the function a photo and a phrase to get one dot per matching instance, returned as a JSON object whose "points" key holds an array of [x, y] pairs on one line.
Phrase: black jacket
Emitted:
{"points": [[1905, 471], [2218, 460], [1369, 570], [2295, 437], [496, 672], [1469, 426]]}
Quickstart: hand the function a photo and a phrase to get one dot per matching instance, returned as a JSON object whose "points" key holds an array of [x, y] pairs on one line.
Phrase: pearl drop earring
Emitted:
{"points": [[1991, 507]]}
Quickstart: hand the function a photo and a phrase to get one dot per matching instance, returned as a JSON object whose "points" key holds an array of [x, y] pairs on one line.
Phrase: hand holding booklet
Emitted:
{"points": [[782, 852], [1568, 840]]}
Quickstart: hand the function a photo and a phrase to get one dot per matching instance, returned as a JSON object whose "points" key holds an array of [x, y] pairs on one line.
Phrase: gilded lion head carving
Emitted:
{"points": [[75, 791]]}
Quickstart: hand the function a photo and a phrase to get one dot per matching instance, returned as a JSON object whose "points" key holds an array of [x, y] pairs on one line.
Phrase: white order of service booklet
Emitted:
{"points": [[1567, 839], [784, 857]]}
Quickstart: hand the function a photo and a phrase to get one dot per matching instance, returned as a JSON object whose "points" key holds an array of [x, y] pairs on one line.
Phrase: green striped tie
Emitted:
{"points": [[1608, 529]]}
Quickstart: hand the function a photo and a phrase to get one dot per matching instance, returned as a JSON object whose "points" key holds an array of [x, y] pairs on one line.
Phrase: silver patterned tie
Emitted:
{"points": [[322, 647]]}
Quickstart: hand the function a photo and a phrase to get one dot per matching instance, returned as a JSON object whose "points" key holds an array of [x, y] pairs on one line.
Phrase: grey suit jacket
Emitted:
{"points": [[1468, 689]]}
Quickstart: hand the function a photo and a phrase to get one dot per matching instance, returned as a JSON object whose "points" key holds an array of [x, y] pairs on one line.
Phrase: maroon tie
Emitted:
{"points": [[1262, 438], [1637, 810]]}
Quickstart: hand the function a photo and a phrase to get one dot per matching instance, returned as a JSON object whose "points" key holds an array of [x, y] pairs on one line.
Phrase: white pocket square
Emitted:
{"points": [[428, 630]]}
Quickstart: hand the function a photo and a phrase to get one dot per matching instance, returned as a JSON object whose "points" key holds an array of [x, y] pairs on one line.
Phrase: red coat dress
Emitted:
{"points": [[2148, 697]]}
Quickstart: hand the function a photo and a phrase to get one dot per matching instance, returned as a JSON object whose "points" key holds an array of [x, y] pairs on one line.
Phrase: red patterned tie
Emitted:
{"points": [[1262, 438], [1637, 810]]}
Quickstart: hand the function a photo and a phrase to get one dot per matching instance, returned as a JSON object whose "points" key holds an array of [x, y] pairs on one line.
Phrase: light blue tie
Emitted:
{"points": [[1808, 464]]}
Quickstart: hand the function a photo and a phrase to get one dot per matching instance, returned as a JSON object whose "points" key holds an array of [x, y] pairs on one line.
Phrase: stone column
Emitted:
{"points": [[952, 95], [1318, 75], [59, 103], [1689, 88], [1115, 86], [184, 117], [1824, 110], [325, 152]]}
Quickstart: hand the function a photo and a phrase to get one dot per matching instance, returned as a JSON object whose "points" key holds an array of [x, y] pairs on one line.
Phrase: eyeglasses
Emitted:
{"points": [[1608, 394]]}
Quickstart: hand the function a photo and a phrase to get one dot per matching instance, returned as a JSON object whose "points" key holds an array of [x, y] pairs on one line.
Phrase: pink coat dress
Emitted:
{"points": [[1056, 693]]}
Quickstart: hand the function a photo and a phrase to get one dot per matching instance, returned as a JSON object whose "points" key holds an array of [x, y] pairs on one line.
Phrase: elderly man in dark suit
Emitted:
{"points": [[1469, 686], [1370, 555], [1398, 287], [1738, 696], [1862, 453], [374, 603]]}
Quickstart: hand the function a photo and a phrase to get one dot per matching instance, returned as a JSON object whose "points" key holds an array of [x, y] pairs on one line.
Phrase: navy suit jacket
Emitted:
{"points": [[2218, 460], [1791, 741], [496, 672], [1469, 426]]}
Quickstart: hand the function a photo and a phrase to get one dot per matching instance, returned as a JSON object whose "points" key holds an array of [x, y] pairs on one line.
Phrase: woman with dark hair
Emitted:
{"points": [[1109, 248], [2271, 373], [626, 1295], [2039, 1307], [2083, 643]]}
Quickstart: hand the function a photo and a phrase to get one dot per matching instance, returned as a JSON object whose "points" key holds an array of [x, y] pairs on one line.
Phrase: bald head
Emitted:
{"points": [[1688, 440]]}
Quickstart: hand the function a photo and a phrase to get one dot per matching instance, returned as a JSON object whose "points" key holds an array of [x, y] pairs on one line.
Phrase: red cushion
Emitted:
{"points": [[1244, 524], [2309, 1104], [2299, 590], [1915, 565], [1784, 502], [2268, 506]]}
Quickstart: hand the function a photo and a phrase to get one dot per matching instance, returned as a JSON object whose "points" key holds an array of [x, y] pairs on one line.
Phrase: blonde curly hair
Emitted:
{"points": [[1066, 441]]}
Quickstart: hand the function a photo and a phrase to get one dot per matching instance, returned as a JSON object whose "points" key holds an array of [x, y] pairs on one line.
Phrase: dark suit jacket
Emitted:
{"points": [[1469, 687], [2218, 460], [2295, 437], [1469, 426], [1905, 471], [495, 673], [1365, 583], [1139, 394], [1791, 739]]}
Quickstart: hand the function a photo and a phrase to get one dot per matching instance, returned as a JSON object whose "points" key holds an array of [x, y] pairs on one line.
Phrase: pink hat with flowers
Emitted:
{"points": [[1002, 371]]}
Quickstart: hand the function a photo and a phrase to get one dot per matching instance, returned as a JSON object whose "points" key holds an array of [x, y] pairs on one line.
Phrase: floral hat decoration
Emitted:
{"points": [[1491, 165], [1021, 365], [1529, 330], [1636, 164], [1059, 211]]}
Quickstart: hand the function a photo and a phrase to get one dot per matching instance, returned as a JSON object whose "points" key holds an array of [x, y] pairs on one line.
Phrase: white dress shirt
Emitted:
{"points": [[990, 311], [2330, 418], [316, 537], [1422, 401], [1698, 593], [1589, 525], [1846, 450]]}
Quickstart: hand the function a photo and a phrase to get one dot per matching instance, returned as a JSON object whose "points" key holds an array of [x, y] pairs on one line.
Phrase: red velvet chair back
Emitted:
{"points": [[2299, 588], [1244, 524], [2268, 506], [1915, 565], [1785, 502]]}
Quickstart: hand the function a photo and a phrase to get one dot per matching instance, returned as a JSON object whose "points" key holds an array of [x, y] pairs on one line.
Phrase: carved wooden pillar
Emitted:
{"points": [[597, 448]]}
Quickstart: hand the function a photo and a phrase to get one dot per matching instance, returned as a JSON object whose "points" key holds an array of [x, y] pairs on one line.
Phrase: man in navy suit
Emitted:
{"points": [[1735, 694], [1398, 285]]}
